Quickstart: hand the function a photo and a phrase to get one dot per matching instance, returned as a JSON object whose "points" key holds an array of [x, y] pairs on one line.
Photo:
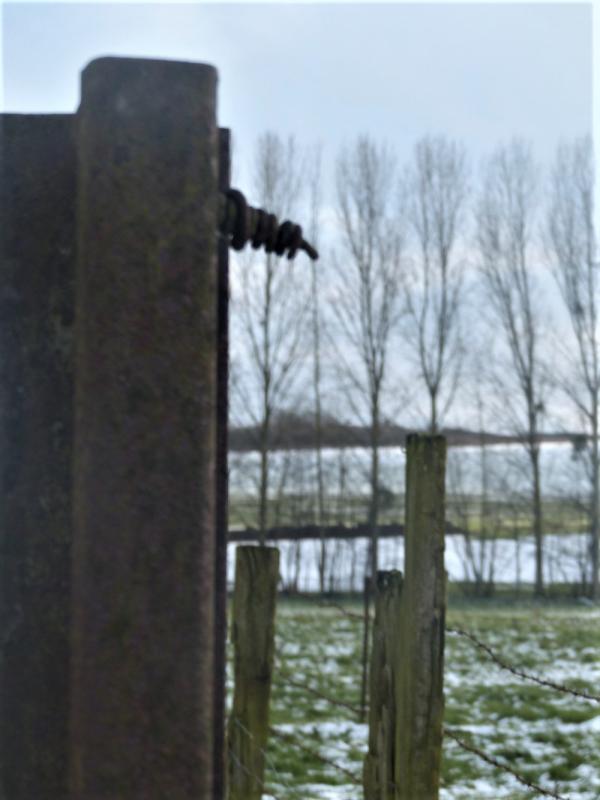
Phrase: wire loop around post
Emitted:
{"points": [[241, 223]]}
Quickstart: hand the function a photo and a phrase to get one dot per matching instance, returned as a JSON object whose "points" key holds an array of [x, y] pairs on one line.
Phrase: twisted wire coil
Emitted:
{"points": [[241, 223]]}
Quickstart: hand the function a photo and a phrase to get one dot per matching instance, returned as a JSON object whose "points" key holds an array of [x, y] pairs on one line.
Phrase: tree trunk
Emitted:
{"points": [[537, 521], [374, 502], [370, 585], [264, 486], [433, 422], [595, 527]]}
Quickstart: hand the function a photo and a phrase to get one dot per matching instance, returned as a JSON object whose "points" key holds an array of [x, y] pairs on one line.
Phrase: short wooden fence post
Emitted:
{"points": [[253, 635], [379, 772]]}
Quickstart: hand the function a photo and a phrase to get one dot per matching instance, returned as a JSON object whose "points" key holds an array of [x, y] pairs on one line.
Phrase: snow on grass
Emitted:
{"points": [[552, 739], [562, 555]]}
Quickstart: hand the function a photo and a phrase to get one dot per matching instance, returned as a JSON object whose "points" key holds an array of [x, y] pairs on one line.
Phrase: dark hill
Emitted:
{"points": [[292, 431]]}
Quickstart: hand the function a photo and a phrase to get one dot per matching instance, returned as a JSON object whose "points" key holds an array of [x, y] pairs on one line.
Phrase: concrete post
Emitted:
{"points": [[143, 637], [37, 264]]}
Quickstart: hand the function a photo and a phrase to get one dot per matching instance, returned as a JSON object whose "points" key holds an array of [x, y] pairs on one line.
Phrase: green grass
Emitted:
{"points": [[553, 739], [502, 519]]}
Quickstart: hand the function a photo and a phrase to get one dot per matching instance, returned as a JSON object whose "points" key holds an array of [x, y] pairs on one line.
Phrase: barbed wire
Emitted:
{"points": [[323, 759], [268, 761], [559, 687], [245, 769], [470, 748], [447, 731], [450, 733], [311, 690], [331, 604]]}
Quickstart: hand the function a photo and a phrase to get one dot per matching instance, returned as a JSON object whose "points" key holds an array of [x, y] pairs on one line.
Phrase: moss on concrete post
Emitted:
{"points": [[379, 768], [37, 265], [420, 646], [143, 708], [253, 635]]}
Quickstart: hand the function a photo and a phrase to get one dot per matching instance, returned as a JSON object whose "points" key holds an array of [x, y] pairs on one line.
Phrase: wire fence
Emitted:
{"points": [[459, 738], [519, 673], [501, 766]]}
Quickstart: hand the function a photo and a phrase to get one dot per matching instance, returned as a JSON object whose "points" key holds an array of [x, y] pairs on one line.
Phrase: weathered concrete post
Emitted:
{"points": [[253, 635], [142, 703], [379, 775], [37, 265], [420, 644]]}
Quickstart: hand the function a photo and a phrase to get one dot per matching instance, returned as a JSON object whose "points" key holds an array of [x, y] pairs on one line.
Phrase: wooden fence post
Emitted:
{"points": [[37, 268], [143, 711], [253, 635], [379, 772], [420, 645]]}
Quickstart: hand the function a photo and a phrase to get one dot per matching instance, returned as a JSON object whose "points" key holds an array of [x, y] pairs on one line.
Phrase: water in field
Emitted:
{"points": [[509, 559], [563, 470], [565, 558]]}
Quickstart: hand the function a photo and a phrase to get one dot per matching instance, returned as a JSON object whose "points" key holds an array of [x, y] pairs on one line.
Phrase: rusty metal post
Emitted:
{"points": [[142, 703], [222, 481], [37, 263]]}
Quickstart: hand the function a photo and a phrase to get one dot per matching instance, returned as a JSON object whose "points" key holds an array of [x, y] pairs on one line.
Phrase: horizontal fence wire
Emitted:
{"points": [[330, 604], [470, 748], [450, 733], [558, 687], [288, 680], [269, 762], [288, 737], [245, 769]]}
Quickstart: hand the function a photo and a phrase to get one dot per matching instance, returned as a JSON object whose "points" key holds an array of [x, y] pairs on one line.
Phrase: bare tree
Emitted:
{"points": [[317, 325], [571, 240], [477, 548], [367, 296], [367, 308], [506, 220], [270, 311], [437, 188]]}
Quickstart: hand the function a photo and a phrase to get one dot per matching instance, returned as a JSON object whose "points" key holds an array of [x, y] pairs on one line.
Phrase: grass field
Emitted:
{"points": [[552, 739], [502, 519]]}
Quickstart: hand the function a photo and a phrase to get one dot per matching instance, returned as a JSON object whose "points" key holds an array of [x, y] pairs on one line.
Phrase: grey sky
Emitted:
{"points": [[480, 72], [327, 72]]}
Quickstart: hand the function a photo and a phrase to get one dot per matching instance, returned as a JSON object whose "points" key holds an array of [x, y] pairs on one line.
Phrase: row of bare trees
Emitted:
{"points": [[438, 284]]}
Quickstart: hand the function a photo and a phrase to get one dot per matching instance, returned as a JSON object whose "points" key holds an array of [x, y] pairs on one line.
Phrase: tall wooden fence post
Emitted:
{"points": [[379, 770], [143, 639], [37, 268], [420, 645], [253, 635]]}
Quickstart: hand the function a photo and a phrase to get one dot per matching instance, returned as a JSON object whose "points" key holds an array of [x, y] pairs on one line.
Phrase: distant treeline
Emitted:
{"points": [[291, 431], [344, 532]]}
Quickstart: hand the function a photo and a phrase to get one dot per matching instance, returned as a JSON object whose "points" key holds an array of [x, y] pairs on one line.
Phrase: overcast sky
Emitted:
{"points": [[327, 72]]}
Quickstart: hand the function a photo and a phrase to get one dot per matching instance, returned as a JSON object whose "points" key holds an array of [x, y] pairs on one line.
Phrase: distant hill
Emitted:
{"points": [[292, 431]]}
